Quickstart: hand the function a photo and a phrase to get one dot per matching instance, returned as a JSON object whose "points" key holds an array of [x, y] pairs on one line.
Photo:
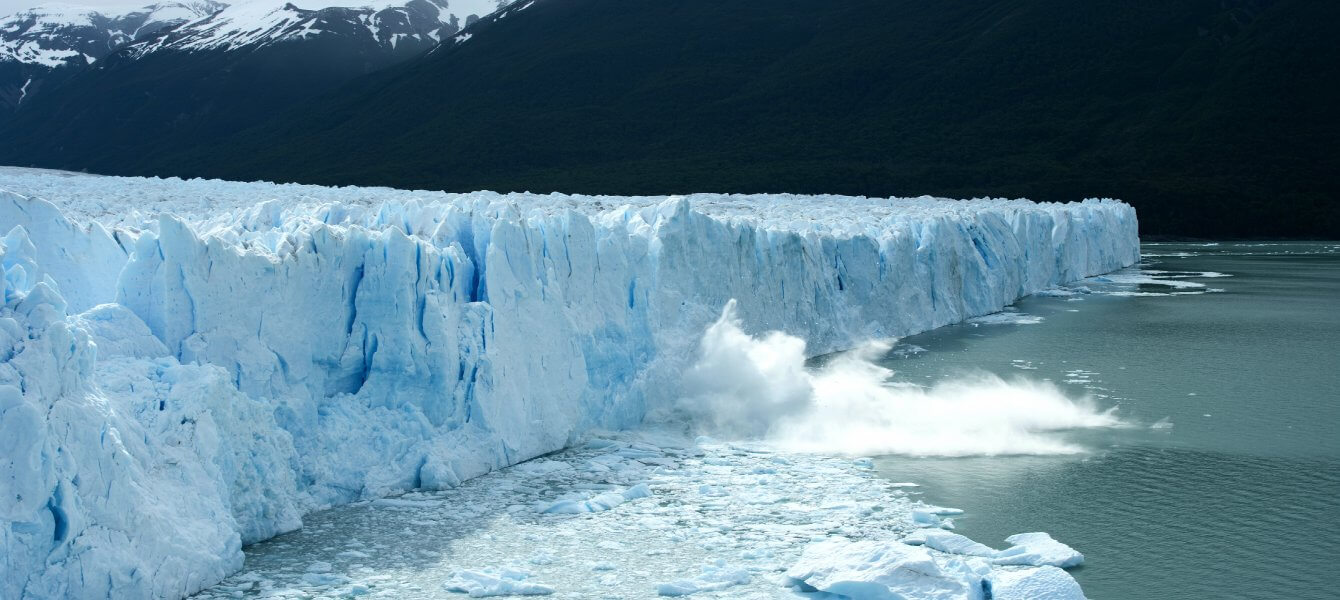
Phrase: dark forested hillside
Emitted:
{"points": [[1212, 117]]}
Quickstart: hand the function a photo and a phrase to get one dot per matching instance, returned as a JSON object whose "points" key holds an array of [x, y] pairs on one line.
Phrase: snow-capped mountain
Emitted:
{"points": [[54, 35], [392, 24], [49, 43], [37, 42], [219, 73]]}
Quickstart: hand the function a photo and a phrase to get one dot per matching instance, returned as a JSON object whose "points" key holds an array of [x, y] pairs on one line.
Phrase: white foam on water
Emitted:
{"points": [[1006, 318], [1146, 278], [758, 387], [1137, 282]]}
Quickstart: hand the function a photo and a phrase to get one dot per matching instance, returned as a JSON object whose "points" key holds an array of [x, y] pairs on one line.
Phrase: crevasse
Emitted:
{"points": [[174, 387]]}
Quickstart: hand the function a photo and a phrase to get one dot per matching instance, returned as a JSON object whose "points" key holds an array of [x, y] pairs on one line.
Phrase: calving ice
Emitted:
{"points": [[193, 365], [748, 386]]}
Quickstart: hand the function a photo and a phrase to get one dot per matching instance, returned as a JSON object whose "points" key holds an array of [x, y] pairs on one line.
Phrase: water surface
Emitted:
{"points": [[1227, 482]]}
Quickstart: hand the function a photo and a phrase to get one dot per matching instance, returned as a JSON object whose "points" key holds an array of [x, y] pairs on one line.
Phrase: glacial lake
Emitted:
{"points": [[1225, 483]]}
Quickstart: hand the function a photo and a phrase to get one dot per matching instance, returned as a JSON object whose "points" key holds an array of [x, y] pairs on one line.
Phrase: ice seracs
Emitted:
{"points": [[318, 346], [126, 473]]}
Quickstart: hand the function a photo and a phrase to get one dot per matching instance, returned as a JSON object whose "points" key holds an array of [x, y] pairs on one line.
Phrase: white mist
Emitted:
{"points": [[758, 388]]}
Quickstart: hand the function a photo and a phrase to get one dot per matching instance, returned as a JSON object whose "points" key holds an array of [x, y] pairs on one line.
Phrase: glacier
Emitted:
{"points": [[190, 366]]}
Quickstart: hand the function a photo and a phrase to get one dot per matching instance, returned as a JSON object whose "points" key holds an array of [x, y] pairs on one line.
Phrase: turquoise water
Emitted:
{"points": [[1226, 483]]}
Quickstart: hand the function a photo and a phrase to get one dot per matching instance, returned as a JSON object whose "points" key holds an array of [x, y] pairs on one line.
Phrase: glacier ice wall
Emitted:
{"points": [[189, 379]]}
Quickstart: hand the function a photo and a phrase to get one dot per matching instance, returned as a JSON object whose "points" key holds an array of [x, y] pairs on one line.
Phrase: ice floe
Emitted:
{"points": [[1037, 549], [715, 577], [874, 570], [495, 582], [1045, 583]]}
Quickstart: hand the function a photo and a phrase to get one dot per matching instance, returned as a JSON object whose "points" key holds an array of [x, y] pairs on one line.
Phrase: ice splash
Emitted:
{"points": [[746, 386], [758, 387]]}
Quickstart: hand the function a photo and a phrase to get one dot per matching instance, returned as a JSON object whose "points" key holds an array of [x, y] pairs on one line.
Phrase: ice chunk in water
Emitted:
{"points": [[495, 582], [598, 503], [716, 576], [954, 543], [1038, 549], [931, 516], [1045, 583], [880, 570]]}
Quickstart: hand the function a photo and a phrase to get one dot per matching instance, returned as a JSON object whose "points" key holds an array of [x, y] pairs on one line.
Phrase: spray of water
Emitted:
{"points": [[758, 388]]}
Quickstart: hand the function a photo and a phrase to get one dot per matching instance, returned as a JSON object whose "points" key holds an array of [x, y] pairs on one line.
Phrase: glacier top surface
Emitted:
{"points": [[136, 203]]}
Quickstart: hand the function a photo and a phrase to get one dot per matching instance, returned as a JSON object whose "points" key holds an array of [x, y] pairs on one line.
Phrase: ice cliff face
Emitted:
{"points": [[174, 386]]}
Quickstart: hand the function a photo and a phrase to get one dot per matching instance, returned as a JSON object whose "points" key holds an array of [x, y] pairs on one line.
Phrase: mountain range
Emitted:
{"points": [[43, 44], [1215, 118], [125, 84]]}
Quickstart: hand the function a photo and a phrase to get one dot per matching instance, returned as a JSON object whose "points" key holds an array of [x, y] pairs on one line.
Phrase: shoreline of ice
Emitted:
{"points": [[239, 366]]}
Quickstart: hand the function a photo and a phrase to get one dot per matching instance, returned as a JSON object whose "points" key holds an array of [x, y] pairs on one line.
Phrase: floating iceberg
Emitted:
{"points": [[953, 543], [875, 570], [715, 577], [1038, 549], [189, 366], [934, 516], [1030, 549], [872, 570], [495, 582], [1045, 583], [599, 502]]}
